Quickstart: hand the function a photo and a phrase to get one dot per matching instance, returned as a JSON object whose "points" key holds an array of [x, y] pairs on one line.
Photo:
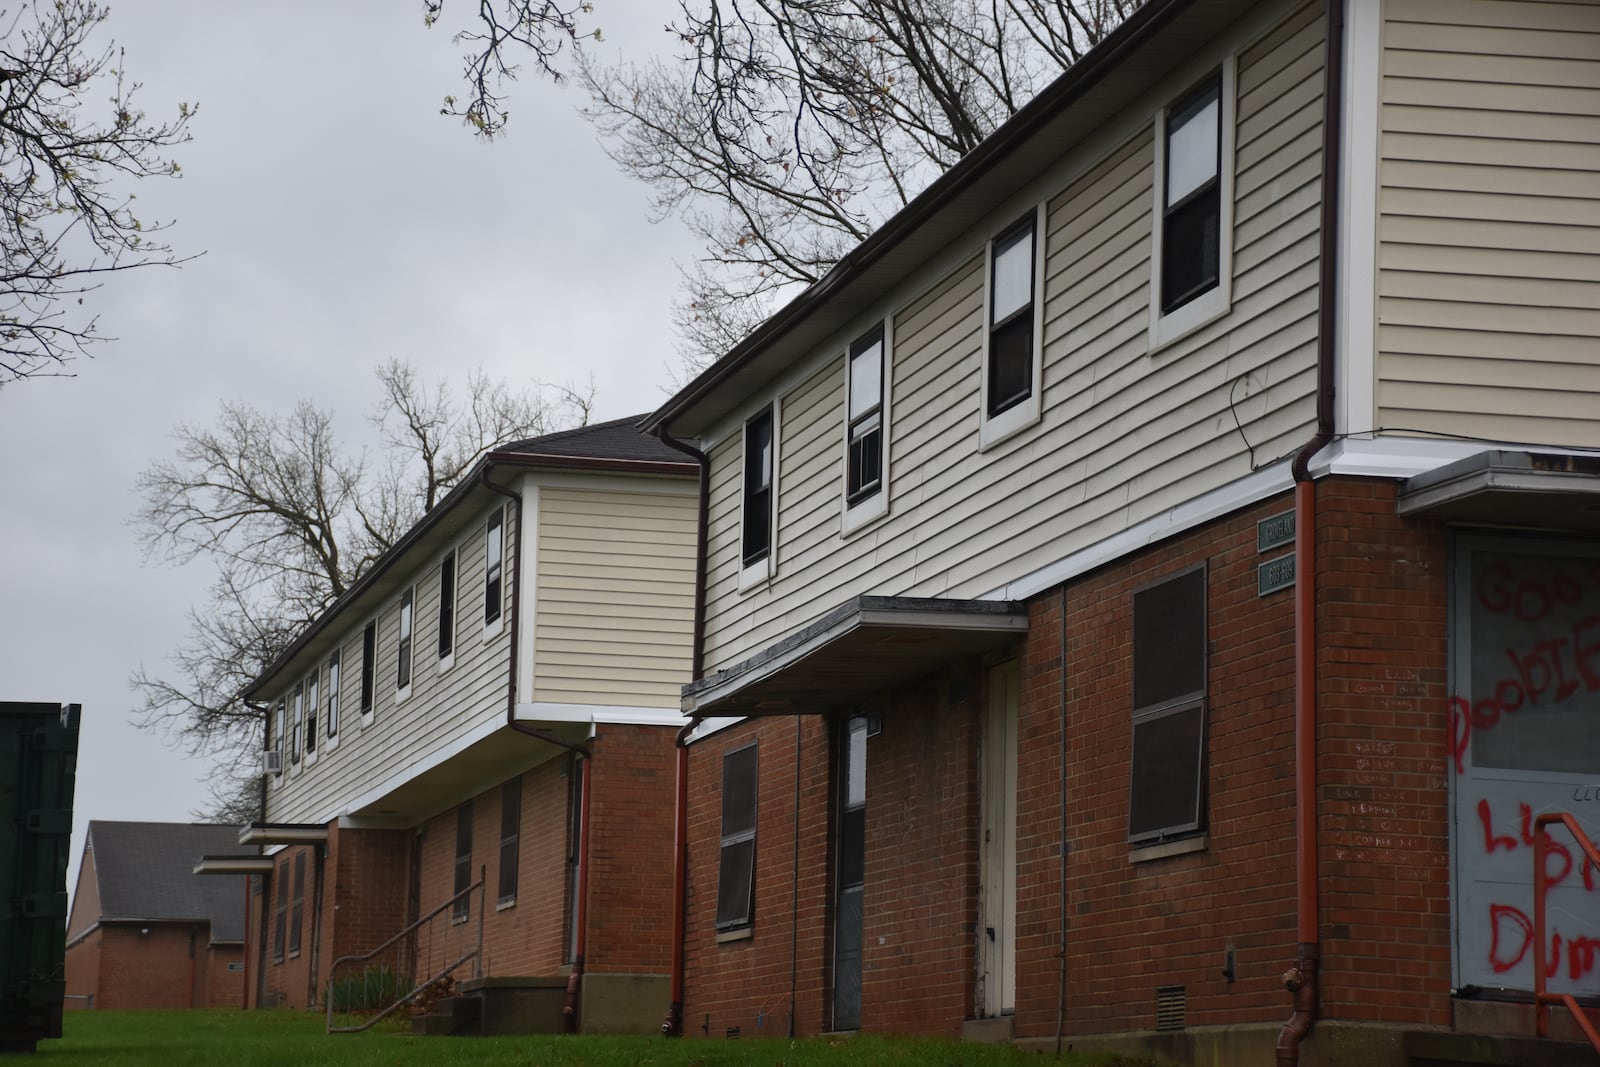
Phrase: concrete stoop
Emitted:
{"points": [[998, 1031], [1446, 1048], [449, 1017]]}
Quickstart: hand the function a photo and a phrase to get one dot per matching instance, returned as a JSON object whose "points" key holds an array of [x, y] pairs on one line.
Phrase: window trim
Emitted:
{"points": [[1172, 706], [369, 672], [280, 715], [330, 731], [447, 631], [510, 839], [868, 508], [405, 644], [494, 575], [1170, 327], [758, 571], [1003, 425], [739, 837]]}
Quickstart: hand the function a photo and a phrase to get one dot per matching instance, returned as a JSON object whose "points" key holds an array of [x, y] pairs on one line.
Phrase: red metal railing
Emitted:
{"points": [[1543, 1000]]}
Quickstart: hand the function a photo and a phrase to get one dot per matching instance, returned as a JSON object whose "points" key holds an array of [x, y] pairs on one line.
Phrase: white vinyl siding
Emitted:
{"points": [[615, 609], [438, 709], [1488, 285], [1124, 435]]}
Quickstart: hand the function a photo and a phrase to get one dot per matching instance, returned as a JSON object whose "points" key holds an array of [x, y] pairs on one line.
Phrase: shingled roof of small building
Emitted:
{"points": [[145, 873], [617, 439]]}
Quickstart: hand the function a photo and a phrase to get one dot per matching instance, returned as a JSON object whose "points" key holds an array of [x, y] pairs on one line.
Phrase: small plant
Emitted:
{"points": [[370, 990]]}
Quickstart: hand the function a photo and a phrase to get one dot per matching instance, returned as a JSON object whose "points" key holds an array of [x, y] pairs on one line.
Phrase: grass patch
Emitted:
{"points": [[272, 1038]]}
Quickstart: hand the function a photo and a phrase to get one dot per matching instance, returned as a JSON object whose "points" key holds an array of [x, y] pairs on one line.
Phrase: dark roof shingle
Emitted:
{"points": [[617, 439], [145, 870]]}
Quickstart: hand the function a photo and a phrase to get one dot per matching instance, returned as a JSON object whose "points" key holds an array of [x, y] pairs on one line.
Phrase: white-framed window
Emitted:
{"points": [[866, 433], [280, 730], [313, 701], [1167, 779], [1013, 321], [408, 606], [758, 497], [447, 610], [297, 700], [736, 875], [369, 663], [494, 552], [1191, 253], [333, 697]]}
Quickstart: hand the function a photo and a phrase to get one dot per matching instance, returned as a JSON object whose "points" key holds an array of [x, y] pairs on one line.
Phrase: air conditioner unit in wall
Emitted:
{"points": [[272, 761]]}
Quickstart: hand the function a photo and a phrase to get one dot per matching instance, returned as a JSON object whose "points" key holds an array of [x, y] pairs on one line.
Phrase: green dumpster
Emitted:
{"points": [[38, 761]]}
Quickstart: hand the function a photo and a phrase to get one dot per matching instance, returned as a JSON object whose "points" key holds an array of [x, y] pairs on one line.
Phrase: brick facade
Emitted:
{"points": [[1133, 922], [152, 966]]}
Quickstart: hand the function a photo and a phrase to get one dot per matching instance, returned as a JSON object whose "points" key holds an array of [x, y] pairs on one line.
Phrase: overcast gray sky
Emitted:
{"points": [[343, 221]]}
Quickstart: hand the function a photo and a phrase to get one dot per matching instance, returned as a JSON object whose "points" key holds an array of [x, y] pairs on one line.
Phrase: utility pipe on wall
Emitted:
{"points": [[580, 911], [672, 1026]]}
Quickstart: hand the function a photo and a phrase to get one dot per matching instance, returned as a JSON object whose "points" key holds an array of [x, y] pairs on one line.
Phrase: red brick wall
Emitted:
{"points": [[1382, 757], [290, 979], [149, 971], [631, 797], [365, 897], [223, 988], [83, 969]]}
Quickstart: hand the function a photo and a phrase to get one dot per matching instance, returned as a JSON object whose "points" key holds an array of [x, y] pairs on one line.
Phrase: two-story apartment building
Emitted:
{"points": [[494, 701], [1163, 556]]}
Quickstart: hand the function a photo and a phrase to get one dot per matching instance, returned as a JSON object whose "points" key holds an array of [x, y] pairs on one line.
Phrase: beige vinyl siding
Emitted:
{"points": [[1125, 435], [1488, 278], [614, 618], [440, 707]]}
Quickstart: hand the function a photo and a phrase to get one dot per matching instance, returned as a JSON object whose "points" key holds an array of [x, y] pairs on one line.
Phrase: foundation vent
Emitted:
{"points": [[1170, 1005]]}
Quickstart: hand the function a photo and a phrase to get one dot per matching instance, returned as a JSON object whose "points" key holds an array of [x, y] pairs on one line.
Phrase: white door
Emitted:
{"points": [[997, 944]]}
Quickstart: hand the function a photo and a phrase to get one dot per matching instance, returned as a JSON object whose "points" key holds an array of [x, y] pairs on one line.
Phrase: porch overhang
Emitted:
{"points": [[866, 645], [1538, 490], [283, 833], [234, 865]]}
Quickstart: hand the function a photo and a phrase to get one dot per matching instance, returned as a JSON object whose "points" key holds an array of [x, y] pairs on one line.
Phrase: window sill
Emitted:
{"points": [[755, 575], [1167, 849], [744, 933], [492, 630], [505, 905], [446, 662], [995, 430], [402, 694], [865, 514], [459, 920], [1182, 322]]}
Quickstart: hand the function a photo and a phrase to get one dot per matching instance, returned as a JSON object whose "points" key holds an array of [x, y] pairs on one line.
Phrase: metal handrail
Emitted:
{"points": [[1542, 999], [475, 953]]}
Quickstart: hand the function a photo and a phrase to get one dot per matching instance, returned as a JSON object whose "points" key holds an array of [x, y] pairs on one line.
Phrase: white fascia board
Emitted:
{"points": [[713, 724], [599, 714]]}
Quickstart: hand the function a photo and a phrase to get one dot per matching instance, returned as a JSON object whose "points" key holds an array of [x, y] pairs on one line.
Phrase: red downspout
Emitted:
{"points": [[580, 915], [244, 994], [672, 1025], [1301, 979]]}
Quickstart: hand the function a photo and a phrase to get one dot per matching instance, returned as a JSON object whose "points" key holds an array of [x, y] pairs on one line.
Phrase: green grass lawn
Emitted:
{"points": [[278, 1038]]}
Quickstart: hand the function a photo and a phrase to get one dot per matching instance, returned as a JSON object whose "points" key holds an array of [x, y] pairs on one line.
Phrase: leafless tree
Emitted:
{"points": [[291, 518], [65, 221]]}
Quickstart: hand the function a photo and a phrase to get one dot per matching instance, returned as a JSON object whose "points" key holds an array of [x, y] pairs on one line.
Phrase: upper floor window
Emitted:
{"points": [[333, 694], [1167, 791], [759, 466], [369, 655], [865, 462], [313, 698], [403, 668], [493, 560], [736, 874], [1193, 228], [447, 606], [298, 703], [279, 732], [1011, 358]]}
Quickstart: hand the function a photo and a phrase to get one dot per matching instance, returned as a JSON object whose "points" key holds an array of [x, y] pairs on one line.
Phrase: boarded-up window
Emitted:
{"points": [[1167, 791], [736, 879], [297, 906], [463, 905], [510, 838]]}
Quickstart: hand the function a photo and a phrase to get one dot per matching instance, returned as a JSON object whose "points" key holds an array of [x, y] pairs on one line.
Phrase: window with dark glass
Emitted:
{"points": [[493, 560], [369, 655], [280, 914], [313, 698], [757, 539], [447, 606], [333, 694], [407, 603], [1011, 281], [510, 838], [1191, 210], [866, 416], [463, 905], [736, 877], [280, 731], [297, 907], [1168, 781]]}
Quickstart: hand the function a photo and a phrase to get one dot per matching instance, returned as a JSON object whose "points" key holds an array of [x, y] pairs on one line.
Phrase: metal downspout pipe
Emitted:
{"points": [[1301, 980], [672, 1025]]}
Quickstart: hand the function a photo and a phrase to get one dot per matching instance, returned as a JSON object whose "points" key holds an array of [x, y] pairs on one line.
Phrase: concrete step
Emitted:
{"points": [[451, 1015], [1443, 1048]]}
